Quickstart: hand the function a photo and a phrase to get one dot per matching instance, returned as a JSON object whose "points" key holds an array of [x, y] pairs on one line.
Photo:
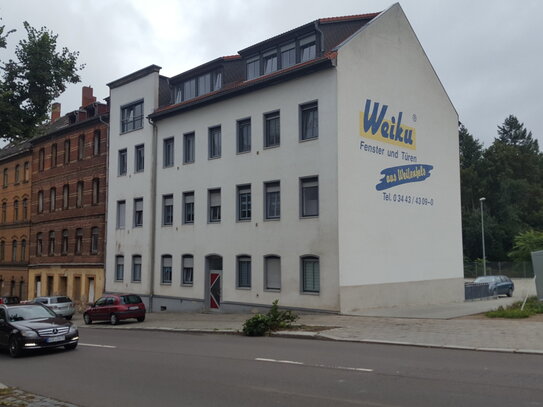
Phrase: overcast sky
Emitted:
{"points": [[488, 54]]}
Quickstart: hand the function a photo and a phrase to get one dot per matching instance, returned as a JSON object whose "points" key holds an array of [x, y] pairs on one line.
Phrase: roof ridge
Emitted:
{"points": [[347, 18]]}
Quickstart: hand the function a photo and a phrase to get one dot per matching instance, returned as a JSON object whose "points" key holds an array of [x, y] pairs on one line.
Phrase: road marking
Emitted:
{"points": [[97, 346], [292, 362]]}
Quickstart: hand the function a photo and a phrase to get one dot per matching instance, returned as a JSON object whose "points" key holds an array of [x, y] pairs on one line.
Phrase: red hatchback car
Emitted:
{"points": [[114, 308]]}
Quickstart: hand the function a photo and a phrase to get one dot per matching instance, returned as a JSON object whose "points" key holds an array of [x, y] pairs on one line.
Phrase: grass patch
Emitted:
{"points": [[533, 306]]}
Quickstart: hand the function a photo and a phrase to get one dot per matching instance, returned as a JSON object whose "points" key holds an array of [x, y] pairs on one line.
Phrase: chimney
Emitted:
{"points": [[55, 112], [87, 97]]}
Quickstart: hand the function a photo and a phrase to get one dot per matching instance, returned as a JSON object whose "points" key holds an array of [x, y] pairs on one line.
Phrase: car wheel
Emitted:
{"points": [[70, 346], [87, 319], [114, 319], [510, 292], [14, 347], [68, 317], [140, 319]]}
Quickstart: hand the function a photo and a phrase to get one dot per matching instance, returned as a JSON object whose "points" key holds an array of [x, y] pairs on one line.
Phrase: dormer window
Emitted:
{"points": [[288, 55], [270, 62], [189, 89], [308, 48], [253, 68], [197, 86], [204, 84]]}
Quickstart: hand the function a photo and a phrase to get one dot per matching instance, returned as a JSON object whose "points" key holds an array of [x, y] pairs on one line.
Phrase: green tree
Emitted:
{"points": [[30, 83], [525, 243]]}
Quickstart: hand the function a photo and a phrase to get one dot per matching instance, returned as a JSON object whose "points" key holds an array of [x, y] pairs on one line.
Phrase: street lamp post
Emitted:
{"points": [[483, 234]]}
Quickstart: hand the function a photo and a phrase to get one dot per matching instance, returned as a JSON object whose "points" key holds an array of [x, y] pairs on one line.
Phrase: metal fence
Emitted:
{"points": [[474, 291], [506, 268]]}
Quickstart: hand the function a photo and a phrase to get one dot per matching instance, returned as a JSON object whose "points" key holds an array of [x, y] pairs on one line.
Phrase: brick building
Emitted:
{"points": [[68, 209], [15, 163]]}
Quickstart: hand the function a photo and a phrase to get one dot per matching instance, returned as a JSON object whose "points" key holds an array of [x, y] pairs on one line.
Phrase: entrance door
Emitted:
{"points": [[91, 290], [214, 292]]}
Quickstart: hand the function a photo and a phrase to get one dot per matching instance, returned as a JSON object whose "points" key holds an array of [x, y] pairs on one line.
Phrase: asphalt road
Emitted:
{"points": [[142, 368]]}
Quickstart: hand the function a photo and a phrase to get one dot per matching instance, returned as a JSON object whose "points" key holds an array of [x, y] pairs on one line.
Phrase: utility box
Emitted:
{"points": [[537, 264]]}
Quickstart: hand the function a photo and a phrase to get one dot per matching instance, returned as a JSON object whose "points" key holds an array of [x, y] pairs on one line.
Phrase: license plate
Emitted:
{"points": [[56, 339], [133, 308]]}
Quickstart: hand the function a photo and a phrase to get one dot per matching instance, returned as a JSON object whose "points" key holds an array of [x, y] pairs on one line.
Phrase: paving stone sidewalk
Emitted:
{"points": [[18, 398]]}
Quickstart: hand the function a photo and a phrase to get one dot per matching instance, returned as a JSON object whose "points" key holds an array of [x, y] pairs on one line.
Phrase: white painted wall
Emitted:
{"points": [[385, 244], [291, 237], [130, 241]]}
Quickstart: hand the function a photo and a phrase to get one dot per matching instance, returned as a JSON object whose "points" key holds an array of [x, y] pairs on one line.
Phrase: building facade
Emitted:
{"points": [[315, 167], [15, 168], [69, 188]]}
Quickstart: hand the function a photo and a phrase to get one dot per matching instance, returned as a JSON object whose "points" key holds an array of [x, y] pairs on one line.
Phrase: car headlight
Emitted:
{"points": [[73, 329], [28, 333]]}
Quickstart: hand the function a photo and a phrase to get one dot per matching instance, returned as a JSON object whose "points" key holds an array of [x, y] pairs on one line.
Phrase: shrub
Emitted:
{"points": [[533, 306], [275, 319]]}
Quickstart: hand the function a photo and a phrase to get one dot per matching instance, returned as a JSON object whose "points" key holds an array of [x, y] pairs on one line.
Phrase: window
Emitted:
{"points": [[270, 63], [308, 48], [14, 251], [64, 245], [309, 196], [136, 268], [244, 272], [309, 121], [2, 250], [78, 240], [215, 142], [273, 200], [189, 89], [244, 202], [15, 210], [217, 80], [41, 164], [121, 214], [310, 274], [204, 84], [81, 147], [166, 275], [39, 244], [17, 173], [96, 143], [122, 162], [244, 136], [167, 210], [67, 152], [52, 199], [4, 212], [168, 159], [53, 155], [188, 148], [188, 269], [65, 196], [5, 178], [188, 207], [119, 268], [95, 191], [139, 160], [253, 68], [271, 129], [138, 212], [94, 240], [51, 243], [40, 201], [23, 250], [288, 55], [272, 272], [25, 209], [132, 117], [214, 198], [79, 197], [26, 175]]}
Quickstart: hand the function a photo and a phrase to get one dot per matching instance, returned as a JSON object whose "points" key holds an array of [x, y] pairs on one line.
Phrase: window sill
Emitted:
{"points": [[271, 147], [309, 217], [244, 288], [310, 293], [272, 290], [272, 219], [243, 152], [187, 285], [303, 140]]}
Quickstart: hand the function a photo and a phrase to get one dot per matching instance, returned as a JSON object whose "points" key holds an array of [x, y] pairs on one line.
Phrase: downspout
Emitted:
{"points": [[106, 202], [321, 37], [153, 212]]}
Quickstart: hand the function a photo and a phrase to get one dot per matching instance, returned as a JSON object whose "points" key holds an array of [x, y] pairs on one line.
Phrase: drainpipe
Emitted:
{"points": [[321, 37], [153, 212], [106, 202]]}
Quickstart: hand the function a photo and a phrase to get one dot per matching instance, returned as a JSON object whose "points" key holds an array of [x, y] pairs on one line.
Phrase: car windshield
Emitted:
{"points": [[60, 300], [28, 313], [487, 279], [131, 299]]}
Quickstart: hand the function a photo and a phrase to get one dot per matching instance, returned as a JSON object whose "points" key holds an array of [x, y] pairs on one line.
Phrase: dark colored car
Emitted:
{"points": [[59, 304], [32, 326], [9, 300], [115, 308], [497, 285]]}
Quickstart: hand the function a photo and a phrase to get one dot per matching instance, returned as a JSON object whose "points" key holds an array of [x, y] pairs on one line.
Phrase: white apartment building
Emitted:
{"points": [[319, 167]]}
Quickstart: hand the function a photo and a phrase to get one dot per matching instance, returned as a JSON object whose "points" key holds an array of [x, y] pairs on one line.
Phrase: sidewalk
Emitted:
{"points": [[429, 326]]}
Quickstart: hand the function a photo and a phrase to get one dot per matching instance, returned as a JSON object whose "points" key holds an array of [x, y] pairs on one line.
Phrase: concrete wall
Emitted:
{"points": [[401, 244]]}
